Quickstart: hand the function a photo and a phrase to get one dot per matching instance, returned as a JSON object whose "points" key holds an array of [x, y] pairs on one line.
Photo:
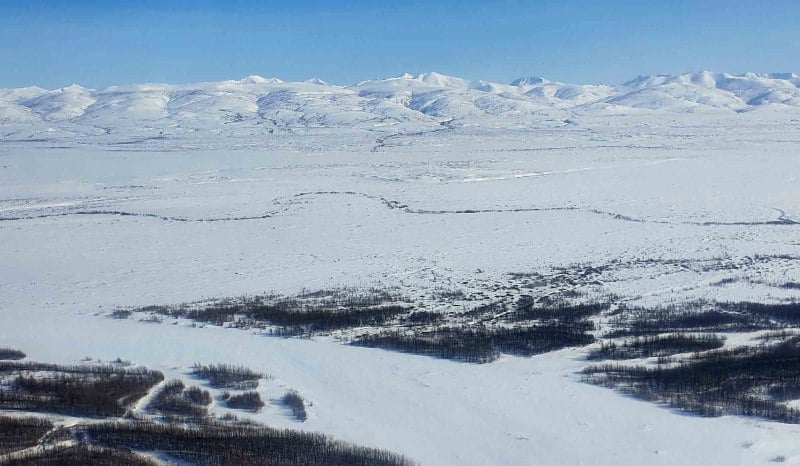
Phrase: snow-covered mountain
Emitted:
{"points": [[707, 89], [256, 105]]}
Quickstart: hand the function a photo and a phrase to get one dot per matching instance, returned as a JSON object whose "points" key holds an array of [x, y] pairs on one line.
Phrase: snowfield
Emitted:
{"points": [[162, 194]]}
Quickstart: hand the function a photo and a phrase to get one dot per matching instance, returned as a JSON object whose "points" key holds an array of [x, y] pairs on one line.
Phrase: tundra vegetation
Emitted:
{"points": [[104, 428], [683, 341]]}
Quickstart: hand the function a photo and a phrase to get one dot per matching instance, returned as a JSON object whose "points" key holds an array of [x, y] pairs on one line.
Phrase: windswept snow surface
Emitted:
{"points": [[159, 194]]}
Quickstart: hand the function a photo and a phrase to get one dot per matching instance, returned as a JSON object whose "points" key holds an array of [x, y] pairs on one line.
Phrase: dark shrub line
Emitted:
{"points": [[120, 314], [480, 344], [227, 376], [689, 316], [656, 346], [86, 369], [786, 313], [176, 402], [752, 381], [197, 396], [107, 390], [87, 390], [10, 353], [81, 455], [293, 317], [18, 433], [240, 445], [296, 404], [309, 312], [423, 318], [777, 335], [549, 308], [250, 400]]}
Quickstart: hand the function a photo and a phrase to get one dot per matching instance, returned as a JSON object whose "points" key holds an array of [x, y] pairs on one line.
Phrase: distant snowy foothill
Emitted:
{"points": [[415, 102]]}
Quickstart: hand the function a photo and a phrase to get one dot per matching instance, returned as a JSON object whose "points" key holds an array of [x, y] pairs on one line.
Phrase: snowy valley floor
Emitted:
{"points": [[683, 209]]}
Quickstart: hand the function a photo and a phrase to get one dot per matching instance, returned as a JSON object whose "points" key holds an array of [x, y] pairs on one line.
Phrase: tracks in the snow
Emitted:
{"points": [[286, 203]]}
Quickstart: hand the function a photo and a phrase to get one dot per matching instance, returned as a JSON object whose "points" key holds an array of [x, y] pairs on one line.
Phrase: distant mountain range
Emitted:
{"points": [[256, 105]]}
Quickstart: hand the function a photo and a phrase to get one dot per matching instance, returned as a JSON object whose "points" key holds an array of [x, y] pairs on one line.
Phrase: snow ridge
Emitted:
{"points": [[404, 103]]}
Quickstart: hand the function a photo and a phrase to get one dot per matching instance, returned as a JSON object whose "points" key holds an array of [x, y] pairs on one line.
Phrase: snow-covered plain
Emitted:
{"points": [[156, 194]]}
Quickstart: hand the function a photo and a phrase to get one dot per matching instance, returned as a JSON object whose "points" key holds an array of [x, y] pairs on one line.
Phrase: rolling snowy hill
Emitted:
{"points": [[254, 107]]}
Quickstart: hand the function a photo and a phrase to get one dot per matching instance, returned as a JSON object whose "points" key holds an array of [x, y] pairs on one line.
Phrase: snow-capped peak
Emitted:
{"points": [[407, 99], [74, 89], [643, 81], [699, 78], [528, 81], [256, 79], [316, 81], [441, 80]]}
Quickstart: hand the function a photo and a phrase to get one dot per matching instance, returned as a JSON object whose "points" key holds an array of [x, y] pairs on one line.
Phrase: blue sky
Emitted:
{"points": [[95, 43]]}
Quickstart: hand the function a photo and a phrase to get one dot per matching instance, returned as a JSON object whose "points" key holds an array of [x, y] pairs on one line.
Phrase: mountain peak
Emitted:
{"points": [[316, 81], [256, 79], [441, 80], [410, 100], [73, 88], [528, 81], [646, 80]]}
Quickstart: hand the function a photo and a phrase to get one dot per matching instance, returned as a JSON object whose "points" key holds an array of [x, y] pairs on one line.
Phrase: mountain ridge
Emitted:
{"points": [[406, 103]]}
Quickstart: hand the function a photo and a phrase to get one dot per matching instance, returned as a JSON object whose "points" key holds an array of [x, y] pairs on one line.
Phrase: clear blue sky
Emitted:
{"points": [[96, 43]]}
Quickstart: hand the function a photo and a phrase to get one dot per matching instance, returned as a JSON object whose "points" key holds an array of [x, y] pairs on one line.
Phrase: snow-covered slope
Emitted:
{"points": [[255, 107], [61, 104], [707, 89]]}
